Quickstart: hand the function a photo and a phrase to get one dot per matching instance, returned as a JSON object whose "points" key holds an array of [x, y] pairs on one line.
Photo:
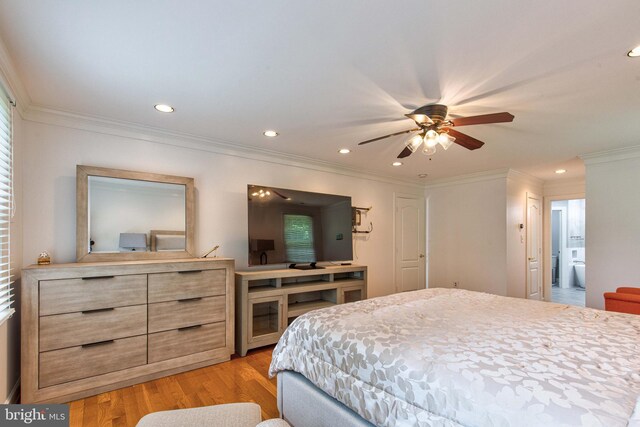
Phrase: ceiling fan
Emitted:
{"points": [[434, 128]]}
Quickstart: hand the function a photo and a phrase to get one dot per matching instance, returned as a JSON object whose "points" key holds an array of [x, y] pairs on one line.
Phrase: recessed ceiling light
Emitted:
{"points": [[559, 171], [396, 164], [422, 175], [270, 133], [163, 108], [344, 151], [634, 52]]}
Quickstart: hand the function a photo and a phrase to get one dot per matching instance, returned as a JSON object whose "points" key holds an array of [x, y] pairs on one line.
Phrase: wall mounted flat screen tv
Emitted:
{"points": [[297, 227]]}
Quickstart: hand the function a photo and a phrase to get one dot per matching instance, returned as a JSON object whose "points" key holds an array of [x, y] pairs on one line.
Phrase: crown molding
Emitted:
{"points": [[469, 178], [54, 117], [614, 155], [12, 82], [525, 178], [559, 184]]}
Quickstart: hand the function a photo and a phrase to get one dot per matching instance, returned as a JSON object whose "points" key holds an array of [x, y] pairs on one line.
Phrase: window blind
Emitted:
{"points": [[298, 238], [6, 206]]}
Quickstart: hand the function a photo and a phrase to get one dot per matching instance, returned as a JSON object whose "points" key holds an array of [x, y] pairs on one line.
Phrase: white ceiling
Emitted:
{"points": [[329, 74]]}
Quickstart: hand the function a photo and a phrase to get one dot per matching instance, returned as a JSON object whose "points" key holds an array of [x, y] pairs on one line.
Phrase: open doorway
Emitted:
{"points": [[567, 229]]}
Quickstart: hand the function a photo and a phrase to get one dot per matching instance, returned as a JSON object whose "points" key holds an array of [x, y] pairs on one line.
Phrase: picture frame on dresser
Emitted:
{"points": [[178, 190]]}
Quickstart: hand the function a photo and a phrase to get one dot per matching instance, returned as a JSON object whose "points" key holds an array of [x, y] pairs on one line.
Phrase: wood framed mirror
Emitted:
{"points": [[128, 216]]}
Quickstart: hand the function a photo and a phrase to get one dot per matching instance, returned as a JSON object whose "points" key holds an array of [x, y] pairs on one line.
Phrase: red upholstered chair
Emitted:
{"points": [[623, 300]]}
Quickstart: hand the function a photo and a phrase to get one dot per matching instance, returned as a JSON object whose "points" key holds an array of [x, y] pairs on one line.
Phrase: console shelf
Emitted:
{"points": [[300, 308], [267, 301]]}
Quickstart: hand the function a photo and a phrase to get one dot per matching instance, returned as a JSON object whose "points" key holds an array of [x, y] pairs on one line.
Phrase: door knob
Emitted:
{"points": [[421, 255], [531, 258]]}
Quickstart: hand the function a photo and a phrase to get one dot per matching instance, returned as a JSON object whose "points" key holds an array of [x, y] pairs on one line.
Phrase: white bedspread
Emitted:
{"points": [[449, 357]]}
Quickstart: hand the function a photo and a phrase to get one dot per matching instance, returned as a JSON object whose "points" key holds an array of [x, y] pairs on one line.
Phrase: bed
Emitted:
{"points": [[450, 357]]}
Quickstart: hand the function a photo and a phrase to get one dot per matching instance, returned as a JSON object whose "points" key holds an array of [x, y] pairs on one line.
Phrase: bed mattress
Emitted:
{"points": [[449, 357]]}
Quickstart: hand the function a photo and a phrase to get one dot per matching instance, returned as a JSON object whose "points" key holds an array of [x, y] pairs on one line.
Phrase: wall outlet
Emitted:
{"points": [[455, 284]]}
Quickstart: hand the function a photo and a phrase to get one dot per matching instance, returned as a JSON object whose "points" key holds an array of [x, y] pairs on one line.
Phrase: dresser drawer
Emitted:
{"points": [[72, 295], [186, 284], [178, 314], [181, 342], [85, 327], [74, 363]]}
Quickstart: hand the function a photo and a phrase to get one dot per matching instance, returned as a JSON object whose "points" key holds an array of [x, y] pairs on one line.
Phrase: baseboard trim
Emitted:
{"points": [[14, 394]]}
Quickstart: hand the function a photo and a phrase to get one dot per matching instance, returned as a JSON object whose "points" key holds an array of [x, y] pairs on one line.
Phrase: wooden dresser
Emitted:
{"points": [[89, 328]]}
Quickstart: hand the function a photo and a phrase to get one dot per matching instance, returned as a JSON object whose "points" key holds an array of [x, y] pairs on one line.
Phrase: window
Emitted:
{"points": [[298, 238], [6, 206]]}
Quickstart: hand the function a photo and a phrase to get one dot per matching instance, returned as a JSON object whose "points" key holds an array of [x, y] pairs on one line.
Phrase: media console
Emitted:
{"points": [[267, 301]]}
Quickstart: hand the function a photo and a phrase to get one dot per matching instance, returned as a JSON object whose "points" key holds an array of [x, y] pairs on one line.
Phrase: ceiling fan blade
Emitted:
{"points": [[466, 141], [484, 119], [405, 153], [387, 136]]}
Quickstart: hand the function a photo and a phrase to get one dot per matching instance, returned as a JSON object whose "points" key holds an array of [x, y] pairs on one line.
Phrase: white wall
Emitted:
{"points": [[518, 186], [10, 330], [474, 232], [467, 235], [52, 152], [612, 227]]}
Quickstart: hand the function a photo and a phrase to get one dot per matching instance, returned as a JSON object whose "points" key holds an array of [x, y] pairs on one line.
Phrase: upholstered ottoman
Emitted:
{"points": [[228, 415]]}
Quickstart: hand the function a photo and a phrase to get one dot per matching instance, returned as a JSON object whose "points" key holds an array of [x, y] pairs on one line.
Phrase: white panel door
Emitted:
{"points": [[534, 247], [410, 260]]}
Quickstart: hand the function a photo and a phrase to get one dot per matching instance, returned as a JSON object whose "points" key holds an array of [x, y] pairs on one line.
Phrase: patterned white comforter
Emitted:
{"points": [[449, 357]]}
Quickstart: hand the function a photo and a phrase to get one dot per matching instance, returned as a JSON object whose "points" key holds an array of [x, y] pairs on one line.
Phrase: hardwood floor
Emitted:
{"points": [[243, 379]]}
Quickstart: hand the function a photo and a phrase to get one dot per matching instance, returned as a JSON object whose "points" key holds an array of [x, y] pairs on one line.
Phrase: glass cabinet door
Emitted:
{"points": [[265, 318], [352, 294]]}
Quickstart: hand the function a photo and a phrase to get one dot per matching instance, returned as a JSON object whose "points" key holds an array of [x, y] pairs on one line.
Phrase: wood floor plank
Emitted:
{"points": [[76, 413], [130, 407], [90, 414], [242, 379]]}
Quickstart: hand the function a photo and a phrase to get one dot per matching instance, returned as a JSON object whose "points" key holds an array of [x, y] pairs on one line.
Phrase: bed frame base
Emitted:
{"points": [[302, 404]]}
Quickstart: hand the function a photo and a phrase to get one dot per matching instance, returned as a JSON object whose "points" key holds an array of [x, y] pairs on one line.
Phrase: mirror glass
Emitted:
{"points": [[128, 215]]}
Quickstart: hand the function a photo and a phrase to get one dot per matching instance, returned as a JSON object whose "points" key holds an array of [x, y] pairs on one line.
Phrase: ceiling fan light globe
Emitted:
{"points": [[445, 140], [413, 143], [431, 138], [429, 151]]}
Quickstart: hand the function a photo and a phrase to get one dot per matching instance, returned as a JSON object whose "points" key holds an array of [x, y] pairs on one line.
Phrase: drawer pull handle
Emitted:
{"points": [[93, 344], [98, 277], [97, 310], [186, 328], [190, 299], [189, 271]]}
